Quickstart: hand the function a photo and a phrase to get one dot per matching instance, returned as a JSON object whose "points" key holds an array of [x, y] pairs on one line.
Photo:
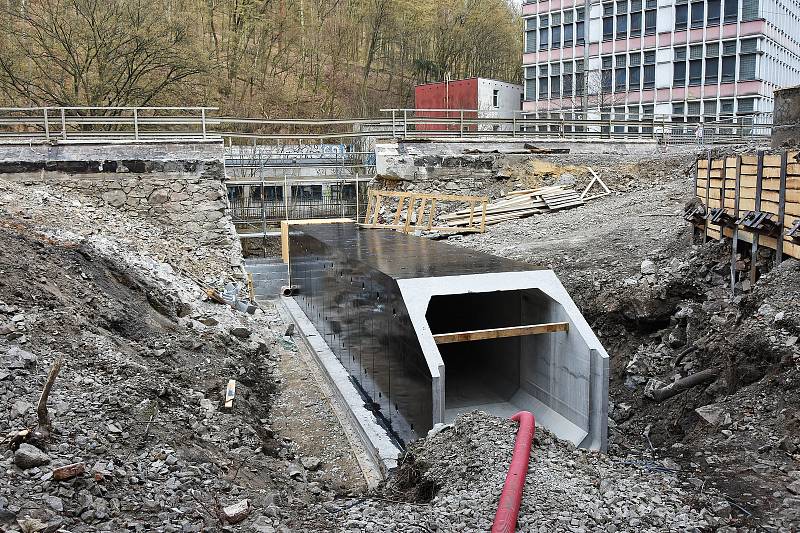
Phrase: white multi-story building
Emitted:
{"points": [[684, 59]]}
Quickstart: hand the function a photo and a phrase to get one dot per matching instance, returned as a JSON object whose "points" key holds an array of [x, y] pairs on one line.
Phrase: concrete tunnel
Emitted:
{"points": [[426, 331]]}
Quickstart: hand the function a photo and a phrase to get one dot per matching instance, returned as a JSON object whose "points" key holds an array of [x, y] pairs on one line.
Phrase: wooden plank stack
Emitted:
{"points": [[717, 187], [521, 204]]}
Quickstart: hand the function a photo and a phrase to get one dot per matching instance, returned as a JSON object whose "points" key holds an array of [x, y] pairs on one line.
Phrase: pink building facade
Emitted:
{"points": [[687, 60]]}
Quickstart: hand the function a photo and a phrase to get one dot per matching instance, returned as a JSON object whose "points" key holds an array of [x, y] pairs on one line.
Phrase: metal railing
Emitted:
{"points": [[51, 124], [54, 124]]}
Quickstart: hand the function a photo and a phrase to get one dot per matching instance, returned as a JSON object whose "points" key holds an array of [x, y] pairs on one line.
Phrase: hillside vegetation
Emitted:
{"points": [[267, 58]]}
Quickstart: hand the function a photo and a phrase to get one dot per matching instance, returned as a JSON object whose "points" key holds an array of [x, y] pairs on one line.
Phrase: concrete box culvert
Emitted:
{"points": [[392, 307]]}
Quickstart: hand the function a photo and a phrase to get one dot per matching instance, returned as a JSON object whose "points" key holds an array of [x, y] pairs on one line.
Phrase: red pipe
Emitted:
{"points": [[505, 521]]}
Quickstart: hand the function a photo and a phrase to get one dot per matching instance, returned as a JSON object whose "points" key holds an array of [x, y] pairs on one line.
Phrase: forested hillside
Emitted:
{"points": [[268, 58]]}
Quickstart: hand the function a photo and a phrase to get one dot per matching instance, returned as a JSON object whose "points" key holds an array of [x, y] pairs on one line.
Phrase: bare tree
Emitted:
{"points": [[93, 52]]}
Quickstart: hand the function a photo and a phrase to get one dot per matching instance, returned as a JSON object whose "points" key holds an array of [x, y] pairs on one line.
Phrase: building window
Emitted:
{"points": [[679, 74], [748, 46], [619, 79], [622, 6], [713, 12], [544, 21], [608, 9], [712, 49], [749, 9], [568, 16], [697, 14], [622, 26], [543, 41], [555, 19], [746, 105], [695, 72], [709, 108], [696, 51], [530, 89], [530, 35], [747, 67], [681, 17], [579, 83], [568, 36], [580, 14], [650, 22], [567, 84], [555, 87], [693, 110], [726, 107], [649, 76], [636, 24], [556, 37], [543, 88], [680, 54], [495, 98], [634, 75], [608, 28], [712, 67], [677, 109], [728, 69], [579, 37], [606, 81], [731, 10]]}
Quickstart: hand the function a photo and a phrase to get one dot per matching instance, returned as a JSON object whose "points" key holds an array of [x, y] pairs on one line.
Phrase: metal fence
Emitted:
{"points": [[50, 124], [53, 124]]}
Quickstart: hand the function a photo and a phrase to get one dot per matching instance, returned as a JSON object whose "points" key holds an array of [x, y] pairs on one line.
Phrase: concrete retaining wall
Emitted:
{"points": [[178, 185], [786, 117], [449, 167]]}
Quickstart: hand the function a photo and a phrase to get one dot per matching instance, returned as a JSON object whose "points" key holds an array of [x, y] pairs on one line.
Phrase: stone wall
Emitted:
{"points": [[786, 118], [180, 186]]}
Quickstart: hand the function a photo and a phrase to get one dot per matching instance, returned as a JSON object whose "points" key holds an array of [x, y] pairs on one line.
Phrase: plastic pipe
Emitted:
{"points": [[505, 520]]}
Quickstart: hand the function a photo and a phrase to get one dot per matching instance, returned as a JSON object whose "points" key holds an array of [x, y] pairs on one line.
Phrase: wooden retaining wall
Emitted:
{"points": [[768, 183]]}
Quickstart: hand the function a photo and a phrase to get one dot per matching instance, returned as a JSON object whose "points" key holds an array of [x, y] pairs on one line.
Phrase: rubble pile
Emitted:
{"points": [[140, 438], [463, 468]]}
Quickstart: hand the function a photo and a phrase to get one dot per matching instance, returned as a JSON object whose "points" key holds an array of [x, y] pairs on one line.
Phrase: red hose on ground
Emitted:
{"points": [[505, 521]]}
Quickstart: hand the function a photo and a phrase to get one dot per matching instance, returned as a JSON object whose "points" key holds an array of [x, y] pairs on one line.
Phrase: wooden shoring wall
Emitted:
{"points": [[753, 182]]}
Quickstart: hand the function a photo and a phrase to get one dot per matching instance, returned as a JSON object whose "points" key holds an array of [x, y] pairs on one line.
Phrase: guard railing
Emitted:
{"points": [[54, 124]]}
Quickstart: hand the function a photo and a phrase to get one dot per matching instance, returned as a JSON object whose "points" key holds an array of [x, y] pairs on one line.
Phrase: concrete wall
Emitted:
{"points": [[786, 118], [445, 167], [178, 185]]}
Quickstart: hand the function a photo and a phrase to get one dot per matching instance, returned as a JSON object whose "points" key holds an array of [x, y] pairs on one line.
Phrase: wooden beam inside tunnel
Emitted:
{"points": [[500, 333]]}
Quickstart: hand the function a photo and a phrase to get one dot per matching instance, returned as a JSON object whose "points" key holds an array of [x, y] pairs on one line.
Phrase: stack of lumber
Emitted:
{"points": [[520, 204]]}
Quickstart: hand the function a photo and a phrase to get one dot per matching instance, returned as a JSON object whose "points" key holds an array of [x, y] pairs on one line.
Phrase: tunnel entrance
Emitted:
{"points": [[489, 343]]}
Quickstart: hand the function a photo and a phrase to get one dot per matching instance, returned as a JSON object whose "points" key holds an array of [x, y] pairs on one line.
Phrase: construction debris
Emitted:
{"points": [[237, 512], [230, 392], [69, 471], [521, 204]]}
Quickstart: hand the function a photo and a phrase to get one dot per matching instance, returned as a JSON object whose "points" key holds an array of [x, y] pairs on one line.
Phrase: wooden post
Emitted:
{"points": [[377, 207], [708, 195], [433, 211], [483, 216], [754, 245], [735, 241], [781, 208], [369, 207]]}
